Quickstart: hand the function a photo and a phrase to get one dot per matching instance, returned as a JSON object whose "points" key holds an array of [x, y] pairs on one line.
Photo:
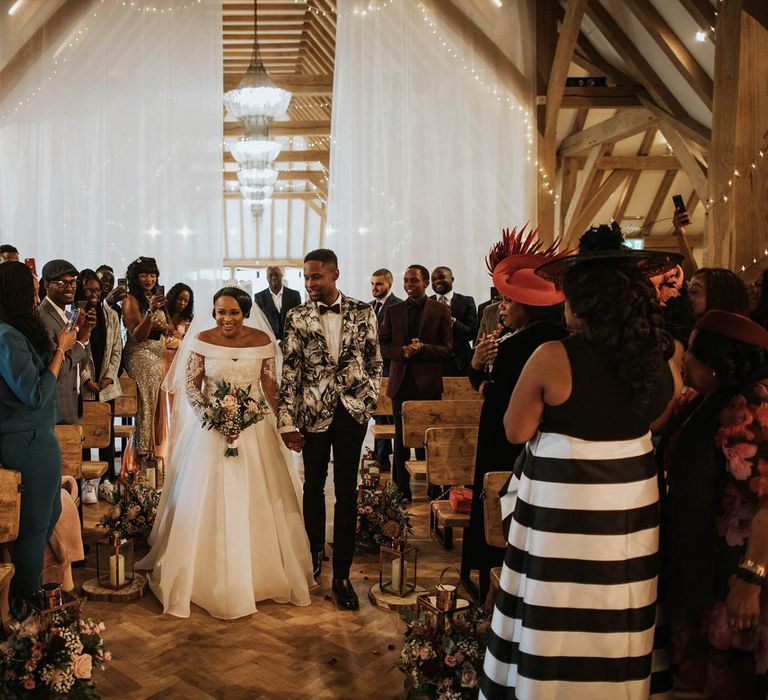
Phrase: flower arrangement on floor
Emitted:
{"points": [[445, 666], [382, 517], [48, 663], [134, 507], [230, 411]]}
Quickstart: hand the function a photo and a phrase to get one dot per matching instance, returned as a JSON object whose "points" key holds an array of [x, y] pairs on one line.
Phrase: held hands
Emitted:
{"points": [[486, 350], [104, 383], [157, 302], [413, 348], [743, 604], [92, 386], [116, 295], [293, 441]]}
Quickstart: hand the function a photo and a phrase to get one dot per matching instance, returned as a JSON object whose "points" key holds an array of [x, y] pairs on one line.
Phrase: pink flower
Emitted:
{"points": [[37, 651], [450, 660], [760, 412], [229, 403], [737, 459], [468, 676], [29, 683], [30, 665], [82, 666]]}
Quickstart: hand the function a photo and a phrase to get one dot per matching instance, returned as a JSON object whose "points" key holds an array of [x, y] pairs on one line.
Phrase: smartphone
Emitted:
{"points": [[74, 319], [30, 263], [122, 282], [677, 200], [160, 290]]}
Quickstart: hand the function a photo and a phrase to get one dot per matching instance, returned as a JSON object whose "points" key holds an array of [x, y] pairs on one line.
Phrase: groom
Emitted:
{"points": [[331, 377]]}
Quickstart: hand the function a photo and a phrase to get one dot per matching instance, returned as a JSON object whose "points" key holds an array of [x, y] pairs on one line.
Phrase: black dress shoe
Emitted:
{"points": [[317, 564], [344, 594]]}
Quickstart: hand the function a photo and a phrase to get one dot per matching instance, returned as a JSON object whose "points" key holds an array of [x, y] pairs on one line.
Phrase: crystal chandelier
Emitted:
{"points": [[256, 100], [256, 193], [255, 153], [257, 177]]}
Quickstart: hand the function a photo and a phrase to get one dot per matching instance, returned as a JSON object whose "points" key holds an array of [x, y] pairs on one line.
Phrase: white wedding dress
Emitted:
{"points": [[229, 530]]}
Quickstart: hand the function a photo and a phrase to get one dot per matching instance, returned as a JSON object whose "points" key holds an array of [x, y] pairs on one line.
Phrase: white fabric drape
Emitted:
{"points": [[110, 145], [427, 163]]}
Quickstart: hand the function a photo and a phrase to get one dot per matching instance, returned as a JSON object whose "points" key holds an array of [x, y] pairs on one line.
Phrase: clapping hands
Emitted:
{"points": [[413, 348]]}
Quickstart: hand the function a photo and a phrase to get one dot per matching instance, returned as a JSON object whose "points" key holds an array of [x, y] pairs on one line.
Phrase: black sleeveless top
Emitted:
{"points": [[599, 407]]}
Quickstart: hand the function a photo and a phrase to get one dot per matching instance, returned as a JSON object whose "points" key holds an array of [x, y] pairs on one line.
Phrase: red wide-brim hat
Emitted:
{"points": [[515, 279], [734, 326]]}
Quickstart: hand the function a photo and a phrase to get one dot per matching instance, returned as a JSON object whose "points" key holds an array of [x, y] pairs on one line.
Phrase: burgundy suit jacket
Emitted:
{"points": [[434, 333]]}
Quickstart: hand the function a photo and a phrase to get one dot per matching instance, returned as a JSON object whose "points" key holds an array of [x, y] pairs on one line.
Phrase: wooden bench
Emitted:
{"points": [[96, 425], [383, 408], [10, 508], [492, 522], [419, 416], [126, 406], [70, 439], [450, 462]]}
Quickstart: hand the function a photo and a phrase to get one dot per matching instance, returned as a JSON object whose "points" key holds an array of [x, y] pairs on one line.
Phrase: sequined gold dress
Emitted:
{"points": [[229, 530], [144, 364]]}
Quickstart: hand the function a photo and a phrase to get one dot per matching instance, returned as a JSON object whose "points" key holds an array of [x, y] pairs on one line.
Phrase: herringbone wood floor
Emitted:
{"points": [[280, 653]]}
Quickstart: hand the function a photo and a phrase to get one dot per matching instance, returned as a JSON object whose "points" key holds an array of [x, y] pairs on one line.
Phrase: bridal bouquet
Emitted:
{"points": [[231, 410]]}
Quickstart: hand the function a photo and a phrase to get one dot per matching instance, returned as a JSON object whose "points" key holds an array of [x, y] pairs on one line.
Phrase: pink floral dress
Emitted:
{"points": [[720, 662]]}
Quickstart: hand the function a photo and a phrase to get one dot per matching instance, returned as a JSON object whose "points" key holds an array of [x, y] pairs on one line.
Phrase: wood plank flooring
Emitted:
{"points": [[282, 652]]}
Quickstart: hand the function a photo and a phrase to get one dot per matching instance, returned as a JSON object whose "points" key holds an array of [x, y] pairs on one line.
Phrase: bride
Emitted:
{"points": [[229, 530]]}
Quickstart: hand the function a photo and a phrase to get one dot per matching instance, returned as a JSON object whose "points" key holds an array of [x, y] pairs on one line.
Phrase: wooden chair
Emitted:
{"points": [[96, 425], [71, 442], [494, 528], [419, 416], [383, 408], [126, 406], [10, 507], [458, 389], [450, 462]]}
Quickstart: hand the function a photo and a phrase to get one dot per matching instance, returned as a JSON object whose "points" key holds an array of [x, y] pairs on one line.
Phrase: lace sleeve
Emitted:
{"points": [[269, 383], [195, 371]]}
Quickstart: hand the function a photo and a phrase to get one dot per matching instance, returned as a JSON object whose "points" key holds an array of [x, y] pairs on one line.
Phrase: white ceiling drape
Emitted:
{"points": [[429, 158]]}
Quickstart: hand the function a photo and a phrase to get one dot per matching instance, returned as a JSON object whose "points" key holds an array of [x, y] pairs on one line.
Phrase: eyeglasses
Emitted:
{"points": [[63, 284]]}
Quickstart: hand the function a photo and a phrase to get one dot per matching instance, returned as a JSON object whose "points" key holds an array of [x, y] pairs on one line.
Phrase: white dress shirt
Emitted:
{"points": [[277, 299], [378, 304], [331, 324], [445, 298]]}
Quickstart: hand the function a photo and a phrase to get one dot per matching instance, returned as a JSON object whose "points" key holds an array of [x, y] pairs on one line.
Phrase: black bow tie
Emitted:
{"points": [[336, 309]]}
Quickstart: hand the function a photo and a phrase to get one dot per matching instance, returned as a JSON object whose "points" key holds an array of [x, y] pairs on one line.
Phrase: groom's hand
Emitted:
{"points": [[293, 441]]}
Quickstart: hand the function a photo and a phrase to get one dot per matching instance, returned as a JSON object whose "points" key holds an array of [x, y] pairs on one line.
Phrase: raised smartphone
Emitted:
{"points": [[677, 200]]}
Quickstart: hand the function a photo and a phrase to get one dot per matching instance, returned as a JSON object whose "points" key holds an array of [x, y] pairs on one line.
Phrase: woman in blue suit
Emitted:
{"points": [[28, 370]]}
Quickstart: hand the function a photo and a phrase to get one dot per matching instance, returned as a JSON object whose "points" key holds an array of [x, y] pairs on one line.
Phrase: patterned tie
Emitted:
{"points": [[442, 299], [377, 307], [336, 309]]}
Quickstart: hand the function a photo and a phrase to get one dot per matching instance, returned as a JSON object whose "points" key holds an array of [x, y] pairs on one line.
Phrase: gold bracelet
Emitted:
{"points": [[61, 351], [753, 567]]}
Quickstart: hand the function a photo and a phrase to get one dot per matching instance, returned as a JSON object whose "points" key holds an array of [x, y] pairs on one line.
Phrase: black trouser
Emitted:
{"points": [[408, 391], [345, 435]]}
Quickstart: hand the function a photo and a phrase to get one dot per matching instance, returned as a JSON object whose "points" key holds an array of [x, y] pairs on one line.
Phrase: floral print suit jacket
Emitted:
{"points": [[312, 382]]}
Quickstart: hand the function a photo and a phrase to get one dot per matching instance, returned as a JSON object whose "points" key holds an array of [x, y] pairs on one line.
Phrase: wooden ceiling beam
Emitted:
{"points": [[689, 163], [687, 126], [702, 12], [616, 128], [673, 48], [591, 209], [659, 200], [584, 185], [297, 128], [566, 42], [611, 162], [631, 184], [632, 56]]}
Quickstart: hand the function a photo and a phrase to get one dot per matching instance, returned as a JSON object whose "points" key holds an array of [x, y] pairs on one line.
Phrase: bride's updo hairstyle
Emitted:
{"points": [[242, 298], [619, 311]]}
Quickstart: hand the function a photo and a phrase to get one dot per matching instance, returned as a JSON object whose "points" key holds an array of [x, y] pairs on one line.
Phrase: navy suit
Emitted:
{"points": [[382, 448], [464, 311], [291, 299]]}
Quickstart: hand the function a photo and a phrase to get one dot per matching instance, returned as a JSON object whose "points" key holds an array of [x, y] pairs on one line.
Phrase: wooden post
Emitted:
{"points": [[738, 226]]}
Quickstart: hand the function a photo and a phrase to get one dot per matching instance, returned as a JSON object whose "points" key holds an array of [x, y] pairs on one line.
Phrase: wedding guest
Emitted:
{"points": [[489, 320], [383, 298], [715, 522], [8, 253], [715, 288], [29, 366], [277, 300], [531, 312], [99, 372], [59, 279], [181, 310], [330, 384], [145, 323], [495, 299], [463, 321], [416, 339], [579, 578], [111, 294]]}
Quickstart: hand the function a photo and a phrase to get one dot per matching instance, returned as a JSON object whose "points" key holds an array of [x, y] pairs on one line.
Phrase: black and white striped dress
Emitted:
{"points": [[576, 611]]}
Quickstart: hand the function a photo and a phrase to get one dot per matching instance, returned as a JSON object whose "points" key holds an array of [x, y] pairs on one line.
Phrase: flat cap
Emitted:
{"points": [[54, 269]]}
